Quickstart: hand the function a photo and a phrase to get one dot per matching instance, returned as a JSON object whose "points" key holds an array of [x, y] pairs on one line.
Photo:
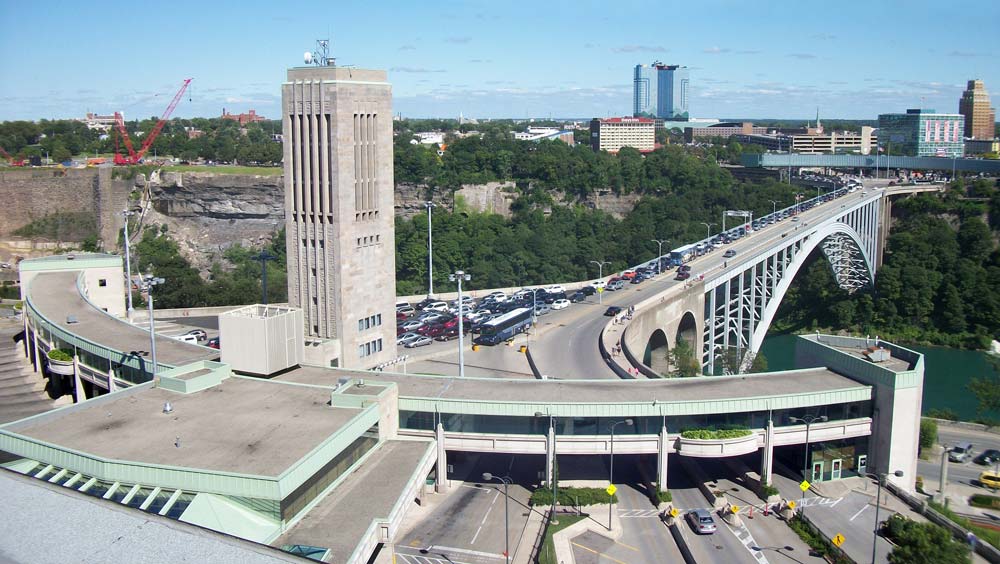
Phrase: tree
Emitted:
{"points": [[923, 543], [928, 433], [987, 391], [975, 239], [683, 360]]}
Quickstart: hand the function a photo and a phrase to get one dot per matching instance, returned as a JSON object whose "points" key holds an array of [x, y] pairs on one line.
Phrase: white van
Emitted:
{"points": [[193, 339], [436, 306]]}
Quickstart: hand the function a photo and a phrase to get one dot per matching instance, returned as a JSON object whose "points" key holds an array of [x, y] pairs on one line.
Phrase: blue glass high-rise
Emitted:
{"points": [[661, 92]]}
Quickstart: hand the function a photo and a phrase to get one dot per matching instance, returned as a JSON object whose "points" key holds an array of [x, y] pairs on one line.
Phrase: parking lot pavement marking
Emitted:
{"points": [[588, 549], [638, 513], [863, 507], [438, 548], [483, 522], [746, 539]]}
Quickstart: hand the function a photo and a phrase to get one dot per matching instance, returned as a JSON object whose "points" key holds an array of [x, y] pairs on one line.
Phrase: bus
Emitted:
{"points": [[683, 254], [502, 328]]}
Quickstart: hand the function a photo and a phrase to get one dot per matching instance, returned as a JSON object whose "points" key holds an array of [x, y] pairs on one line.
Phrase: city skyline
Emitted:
{"points": [[521, 60]]}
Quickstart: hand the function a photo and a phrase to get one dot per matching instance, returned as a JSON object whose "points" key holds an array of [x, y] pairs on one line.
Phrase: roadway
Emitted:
{"points": [[964, 472]]}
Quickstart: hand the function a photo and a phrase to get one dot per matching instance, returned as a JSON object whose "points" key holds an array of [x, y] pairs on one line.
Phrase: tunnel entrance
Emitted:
{"points": [[657, 355]]}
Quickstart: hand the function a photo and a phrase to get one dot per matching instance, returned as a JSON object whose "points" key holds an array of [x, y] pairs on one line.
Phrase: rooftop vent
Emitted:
{"points": [[167, 408], [71, 319]]}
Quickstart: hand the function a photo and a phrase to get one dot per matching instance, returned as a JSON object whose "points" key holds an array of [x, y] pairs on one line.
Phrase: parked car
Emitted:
{"points": [[629, 274], [639, 279], [421, 341], [214, 343], [448, 335], [578, 296], [701, 521], [560, 304], [596, 284], [589, 290], [683, 275], [198, 334], [412, 325], [729, 254], [988, 457], [612, 311], [406, 310], [542, 309], [989, 480], [406, 338], [436, 306], [402, 304], [555, 289]]}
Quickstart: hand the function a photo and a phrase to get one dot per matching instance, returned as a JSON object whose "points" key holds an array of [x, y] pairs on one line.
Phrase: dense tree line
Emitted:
{"points": [[221, 140], [940, 282]]}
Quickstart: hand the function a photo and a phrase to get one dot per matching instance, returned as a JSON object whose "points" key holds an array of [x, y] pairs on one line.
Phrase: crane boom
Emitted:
{"points": [[135, 156]]}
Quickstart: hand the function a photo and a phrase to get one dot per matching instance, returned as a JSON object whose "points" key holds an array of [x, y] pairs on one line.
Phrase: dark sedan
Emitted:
{"points": [[612, 311], [988, 457]]}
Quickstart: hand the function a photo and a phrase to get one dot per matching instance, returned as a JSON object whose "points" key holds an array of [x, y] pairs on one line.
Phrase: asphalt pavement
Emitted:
{"points": [[965, 472]]}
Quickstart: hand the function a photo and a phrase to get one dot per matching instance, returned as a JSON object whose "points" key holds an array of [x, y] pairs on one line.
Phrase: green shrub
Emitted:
{"points": [[986, 501], [61, 354], [715, 434], [816, 541], [664, 497], [572, 496], [767, 490], [946, 414], [928, 433], [986, 535], [923, 542]]}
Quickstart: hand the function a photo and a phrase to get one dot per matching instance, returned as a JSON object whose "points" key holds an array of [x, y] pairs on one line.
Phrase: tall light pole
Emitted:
{"points": [[430, 249], [708, 229], [600, 275], [127, 213], [808, 420], [555, 466], [458, 276], [506, 481], [149, 281], [611, 465], [659, 253], [878, 497], [774, 207]]}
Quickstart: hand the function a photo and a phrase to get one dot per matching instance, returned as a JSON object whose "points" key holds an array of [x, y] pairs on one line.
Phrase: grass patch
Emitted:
{"points": [[664, 497], [572, 497], [547, 552], [227, 169], [816, 541], [984, 534], [60, 226], [715, 434]]}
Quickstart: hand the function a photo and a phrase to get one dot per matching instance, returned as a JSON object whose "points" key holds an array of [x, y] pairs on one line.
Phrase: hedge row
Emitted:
{"points": [[715, 434]]}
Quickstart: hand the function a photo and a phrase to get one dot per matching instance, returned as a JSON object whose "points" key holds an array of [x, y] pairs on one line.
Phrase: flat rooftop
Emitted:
{"points": [[56, 296], [81, 528], [242, 425], [340, 520], [592, 391]]}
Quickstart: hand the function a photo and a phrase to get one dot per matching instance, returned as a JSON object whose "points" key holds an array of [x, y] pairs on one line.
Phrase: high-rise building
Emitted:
{"points": [[661, 92], [337, 125], [921, 133], [980, 118]]}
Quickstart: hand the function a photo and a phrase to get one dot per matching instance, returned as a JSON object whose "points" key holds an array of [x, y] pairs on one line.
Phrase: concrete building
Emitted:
{"points": [[611, 134], [548, 133], [337, 125], [661, 91], [980, 118], [921, 133], [102, 123], [723, 130], [982, 146], [814, 141]]}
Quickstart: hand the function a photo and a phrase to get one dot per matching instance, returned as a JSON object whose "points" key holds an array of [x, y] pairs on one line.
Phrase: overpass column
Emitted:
{"points": [[550, 457], [442, 460], [661, 459], [767, 456]]}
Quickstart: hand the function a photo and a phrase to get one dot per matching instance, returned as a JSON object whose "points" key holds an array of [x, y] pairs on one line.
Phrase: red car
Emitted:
{"points": [[448, 335]]}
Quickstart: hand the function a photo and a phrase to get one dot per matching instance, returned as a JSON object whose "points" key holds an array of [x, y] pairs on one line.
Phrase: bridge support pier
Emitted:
{"points": [[661, 460], [767, 455], [441, 485]]}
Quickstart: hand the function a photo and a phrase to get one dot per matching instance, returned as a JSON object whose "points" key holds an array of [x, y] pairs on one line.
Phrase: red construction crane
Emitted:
{"points": [[135, 156], [12, 160]]}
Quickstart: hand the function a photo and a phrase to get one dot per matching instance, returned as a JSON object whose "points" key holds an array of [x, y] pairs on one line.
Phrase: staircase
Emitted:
{"points": [[22, 391]]}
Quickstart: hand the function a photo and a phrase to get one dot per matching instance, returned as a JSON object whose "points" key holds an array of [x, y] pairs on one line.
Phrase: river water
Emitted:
{"points": [[947, 373]]}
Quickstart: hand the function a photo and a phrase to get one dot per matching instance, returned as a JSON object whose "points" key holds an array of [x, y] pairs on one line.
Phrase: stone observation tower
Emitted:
{"points": [[337, 125]]}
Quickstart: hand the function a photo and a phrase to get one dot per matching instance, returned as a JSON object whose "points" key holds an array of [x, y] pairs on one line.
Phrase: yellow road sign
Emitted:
{"points": [[611, 489], [804, 485], [838, 540], [734, 509], [599, 290], [674, 512], [791, 504]]}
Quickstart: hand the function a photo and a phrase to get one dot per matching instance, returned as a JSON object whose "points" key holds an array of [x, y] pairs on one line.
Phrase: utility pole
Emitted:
{"points": [[943, 477], [430, 250]]}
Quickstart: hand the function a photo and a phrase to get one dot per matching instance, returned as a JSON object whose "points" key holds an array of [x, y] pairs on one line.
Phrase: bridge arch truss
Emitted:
{"points": [[741, 302]]}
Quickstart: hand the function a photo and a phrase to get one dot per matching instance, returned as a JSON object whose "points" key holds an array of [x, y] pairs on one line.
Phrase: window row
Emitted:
{"points": [[369, 322], [370, 348]]}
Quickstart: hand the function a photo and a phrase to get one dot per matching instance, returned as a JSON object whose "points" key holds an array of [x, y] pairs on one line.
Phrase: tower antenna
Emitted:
{"points": [[321, 56]]}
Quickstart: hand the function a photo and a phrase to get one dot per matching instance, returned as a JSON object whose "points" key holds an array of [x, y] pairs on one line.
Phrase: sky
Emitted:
{"points": [[514, 59]]}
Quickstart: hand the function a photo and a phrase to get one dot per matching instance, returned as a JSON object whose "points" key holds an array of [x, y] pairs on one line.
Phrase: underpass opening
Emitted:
{"points": [[657, 354]]}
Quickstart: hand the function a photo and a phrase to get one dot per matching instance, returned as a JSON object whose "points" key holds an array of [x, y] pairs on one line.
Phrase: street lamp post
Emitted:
{"points": [[774, 207], [600, 275], [708, 228], [878, 498], [506, 481], [611, 465], [458, 276], [148, 283], [126, 213], [555, 467], [808, 420], [659, 253], [430, 249]]}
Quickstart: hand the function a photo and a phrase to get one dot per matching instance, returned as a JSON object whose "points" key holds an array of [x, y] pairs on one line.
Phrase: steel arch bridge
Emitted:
{"points": [[741, 301]]}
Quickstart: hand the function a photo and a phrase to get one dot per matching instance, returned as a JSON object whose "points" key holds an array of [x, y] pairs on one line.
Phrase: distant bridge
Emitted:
{"points": [[777, 160]]}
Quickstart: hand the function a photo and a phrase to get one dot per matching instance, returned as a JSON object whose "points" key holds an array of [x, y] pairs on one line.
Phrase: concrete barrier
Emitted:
{"points": [[531, 363], [681, 543], [142, 314]]}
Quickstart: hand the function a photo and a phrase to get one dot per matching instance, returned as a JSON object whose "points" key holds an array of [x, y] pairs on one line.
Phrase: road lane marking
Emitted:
{"points": [[481, 523], [630, 547], [588, 549], [863, 507], [439, 548]]}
